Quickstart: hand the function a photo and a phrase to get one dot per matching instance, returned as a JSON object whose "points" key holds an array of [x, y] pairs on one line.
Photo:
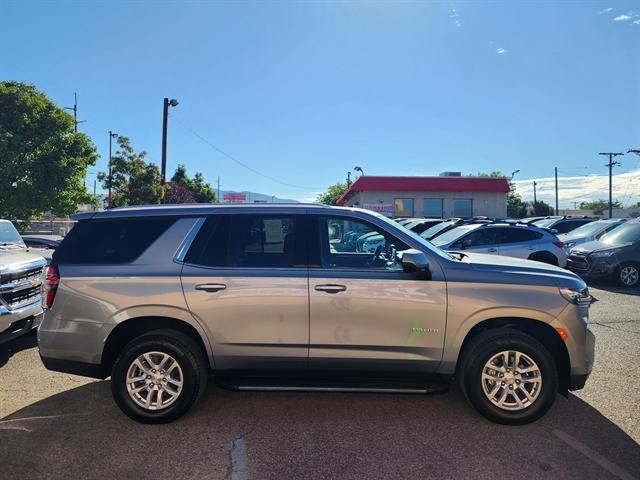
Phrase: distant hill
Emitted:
{"points": [[227, 196]]}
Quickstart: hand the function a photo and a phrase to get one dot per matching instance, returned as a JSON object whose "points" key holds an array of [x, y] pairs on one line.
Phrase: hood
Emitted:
{"points": [[596, 245], [17, 256], [567, 237], [503, 269]]}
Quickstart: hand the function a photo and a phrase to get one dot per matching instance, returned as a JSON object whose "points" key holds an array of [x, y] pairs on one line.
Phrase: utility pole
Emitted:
{"points": [[610, 165], [218, 196], [535, 198], [109, 198], [348, 180], [556, 190], [74, 109], [165, 113]]}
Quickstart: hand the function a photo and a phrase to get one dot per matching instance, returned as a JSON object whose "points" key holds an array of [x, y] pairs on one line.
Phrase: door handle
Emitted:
{"points": [[330, 288], [492, 250], [211, 287]]}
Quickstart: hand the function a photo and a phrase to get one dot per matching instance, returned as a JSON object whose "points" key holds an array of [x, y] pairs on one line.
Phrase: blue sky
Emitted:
{"points": [[304, 91]]}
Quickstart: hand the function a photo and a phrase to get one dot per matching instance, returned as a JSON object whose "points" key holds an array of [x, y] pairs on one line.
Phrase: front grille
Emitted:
{"points": [[578, 262], [19, 276], [21, 297]]}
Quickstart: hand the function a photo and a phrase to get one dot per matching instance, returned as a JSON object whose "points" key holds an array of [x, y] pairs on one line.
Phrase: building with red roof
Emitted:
{"points": [[448, 195]]}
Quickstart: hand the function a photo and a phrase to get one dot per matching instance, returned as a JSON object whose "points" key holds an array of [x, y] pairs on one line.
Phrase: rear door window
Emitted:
{"points": [[251, 241], [118, 240], [517, 235]]}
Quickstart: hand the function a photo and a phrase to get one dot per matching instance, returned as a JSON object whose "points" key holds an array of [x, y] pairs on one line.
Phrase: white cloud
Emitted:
{"points": [[637, 22], [626, 188], [501, 51], [606, 10], [622, 18]]}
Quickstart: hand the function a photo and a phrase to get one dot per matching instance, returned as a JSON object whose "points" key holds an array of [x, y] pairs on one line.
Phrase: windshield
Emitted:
{"points": [[9, 234], [435, 229], [412, 234], [453, 234], [588, 229], [626, 233], [545, 223]]}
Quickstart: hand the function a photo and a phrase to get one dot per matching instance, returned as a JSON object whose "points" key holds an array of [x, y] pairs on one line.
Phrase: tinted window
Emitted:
{"points": [[462, 207], [403, 207], [517, 234], [110, 241], [432, 207], [250, 241], [350, 243], [565, 227], [485, 236]]}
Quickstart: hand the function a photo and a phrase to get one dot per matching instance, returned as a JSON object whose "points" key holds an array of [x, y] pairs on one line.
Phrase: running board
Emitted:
{"points": [[346, 385]]}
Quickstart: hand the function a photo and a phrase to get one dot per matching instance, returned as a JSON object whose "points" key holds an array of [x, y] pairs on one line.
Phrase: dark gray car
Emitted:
{"points": [[615, 256]]}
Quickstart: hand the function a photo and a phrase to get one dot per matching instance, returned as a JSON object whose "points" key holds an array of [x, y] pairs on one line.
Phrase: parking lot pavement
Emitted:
{"points": [[60, 426]]}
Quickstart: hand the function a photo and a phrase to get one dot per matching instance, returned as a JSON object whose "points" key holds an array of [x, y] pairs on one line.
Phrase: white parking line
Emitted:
{"points": [[594, 456], [239, 470]]}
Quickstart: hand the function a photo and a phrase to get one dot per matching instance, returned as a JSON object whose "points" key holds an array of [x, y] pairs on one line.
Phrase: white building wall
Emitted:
{"points": [[490, 204]]}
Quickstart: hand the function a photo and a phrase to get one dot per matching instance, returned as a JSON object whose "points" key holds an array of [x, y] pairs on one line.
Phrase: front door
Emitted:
{"points": [[245, 280], [366, 314]]}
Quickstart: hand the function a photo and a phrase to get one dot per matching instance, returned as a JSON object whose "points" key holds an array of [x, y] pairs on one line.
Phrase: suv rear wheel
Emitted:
{"points": [[510, 377], [159, 376]]}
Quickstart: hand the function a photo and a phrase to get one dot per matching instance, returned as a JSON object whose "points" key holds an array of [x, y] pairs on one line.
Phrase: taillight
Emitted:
{"points": [[51, 280], [559, 244]]}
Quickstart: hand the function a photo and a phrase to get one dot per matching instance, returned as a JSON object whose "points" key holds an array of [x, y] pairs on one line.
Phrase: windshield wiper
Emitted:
{"points": [[10, 244], [460, 255]]}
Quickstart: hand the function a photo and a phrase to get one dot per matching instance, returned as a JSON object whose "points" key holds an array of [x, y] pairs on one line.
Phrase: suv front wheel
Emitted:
{"points": [[510, 377], [159, 376]]}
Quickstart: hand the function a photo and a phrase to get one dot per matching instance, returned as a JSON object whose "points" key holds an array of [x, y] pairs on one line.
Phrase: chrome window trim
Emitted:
{"points": [[181, 253]]}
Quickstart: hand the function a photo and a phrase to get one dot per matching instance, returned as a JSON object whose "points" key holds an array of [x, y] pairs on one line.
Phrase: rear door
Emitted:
{"points": [[480, 240], [245, 280], [366, 314], [517, 241]]}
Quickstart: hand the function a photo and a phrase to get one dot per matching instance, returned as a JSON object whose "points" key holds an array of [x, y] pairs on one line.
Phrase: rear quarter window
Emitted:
{"points": [[110, 241]]}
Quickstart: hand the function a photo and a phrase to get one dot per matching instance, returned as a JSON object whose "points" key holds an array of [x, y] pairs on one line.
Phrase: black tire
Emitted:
{"points": [[187, 353], [490, 343], [628, 265], [544, 257]]}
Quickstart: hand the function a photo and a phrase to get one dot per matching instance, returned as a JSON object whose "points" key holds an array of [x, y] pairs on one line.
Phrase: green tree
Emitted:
{"points": [[515, 206], [599, 206], [540, 209], [202, 191], [43, 163], [133, 181], [330, 197]]}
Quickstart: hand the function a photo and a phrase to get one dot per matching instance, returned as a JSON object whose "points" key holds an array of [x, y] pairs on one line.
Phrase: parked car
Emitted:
{"points": [[269, 297], [439, 228], [20, 279], [512, 240], [589, 232], [615, 256], [559, 225], [44, 242], [419, 225]]}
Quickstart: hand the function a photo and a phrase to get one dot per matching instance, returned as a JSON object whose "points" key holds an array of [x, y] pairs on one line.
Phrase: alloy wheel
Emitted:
{"points": [[629, 275], [154, 380], [511, 380]]}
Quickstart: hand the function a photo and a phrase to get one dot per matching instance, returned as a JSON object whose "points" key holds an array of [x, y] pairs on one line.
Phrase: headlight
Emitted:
{"points": [[577, 297], [602, 253]]}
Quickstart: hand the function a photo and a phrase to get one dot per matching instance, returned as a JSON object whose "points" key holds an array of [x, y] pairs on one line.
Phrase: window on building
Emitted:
{"points": [[403, 207], [432, 208], [462, 207]]}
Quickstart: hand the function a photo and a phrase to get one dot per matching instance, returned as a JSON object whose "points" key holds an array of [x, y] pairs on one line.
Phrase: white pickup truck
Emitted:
{"points": [[20, 284]]}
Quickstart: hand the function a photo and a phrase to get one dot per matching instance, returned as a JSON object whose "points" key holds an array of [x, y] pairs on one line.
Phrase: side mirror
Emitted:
{"points": [[459, 246], [416, 262]]}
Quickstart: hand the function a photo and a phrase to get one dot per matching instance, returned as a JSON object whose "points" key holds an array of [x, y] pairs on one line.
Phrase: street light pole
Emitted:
{"points": [[535, 198], [610, 165], [166, 103], [109, 198], [556, 190]]}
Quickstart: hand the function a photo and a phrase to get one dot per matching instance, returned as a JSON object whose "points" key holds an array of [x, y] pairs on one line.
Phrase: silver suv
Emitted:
{"points": [[275, 297]]}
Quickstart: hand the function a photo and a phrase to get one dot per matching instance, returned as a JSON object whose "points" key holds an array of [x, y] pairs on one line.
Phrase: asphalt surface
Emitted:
{"points": [[61, 426]]}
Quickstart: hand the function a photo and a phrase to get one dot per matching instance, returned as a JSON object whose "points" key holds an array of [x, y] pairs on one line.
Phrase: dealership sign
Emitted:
{"points": [[232, 197], [385, 209]]}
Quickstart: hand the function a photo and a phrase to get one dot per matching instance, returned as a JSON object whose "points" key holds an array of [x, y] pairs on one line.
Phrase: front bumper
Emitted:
{"points": [[20, 327], [578, 380], [588, 267]]}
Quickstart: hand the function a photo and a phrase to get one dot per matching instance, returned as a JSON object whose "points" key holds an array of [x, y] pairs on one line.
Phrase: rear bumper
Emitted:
{"points": [[74, 367]]}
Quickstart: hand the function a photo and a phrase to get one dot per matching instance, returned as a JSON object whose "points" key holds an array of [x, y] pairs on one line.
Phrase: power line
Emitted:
{"points": [[242, 164]]}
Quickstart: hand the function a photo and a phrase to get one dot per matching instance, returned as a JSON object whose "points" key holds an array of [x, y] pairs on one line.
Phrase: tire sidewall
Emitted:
{"points": [[481, 354], [188, 362]]}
